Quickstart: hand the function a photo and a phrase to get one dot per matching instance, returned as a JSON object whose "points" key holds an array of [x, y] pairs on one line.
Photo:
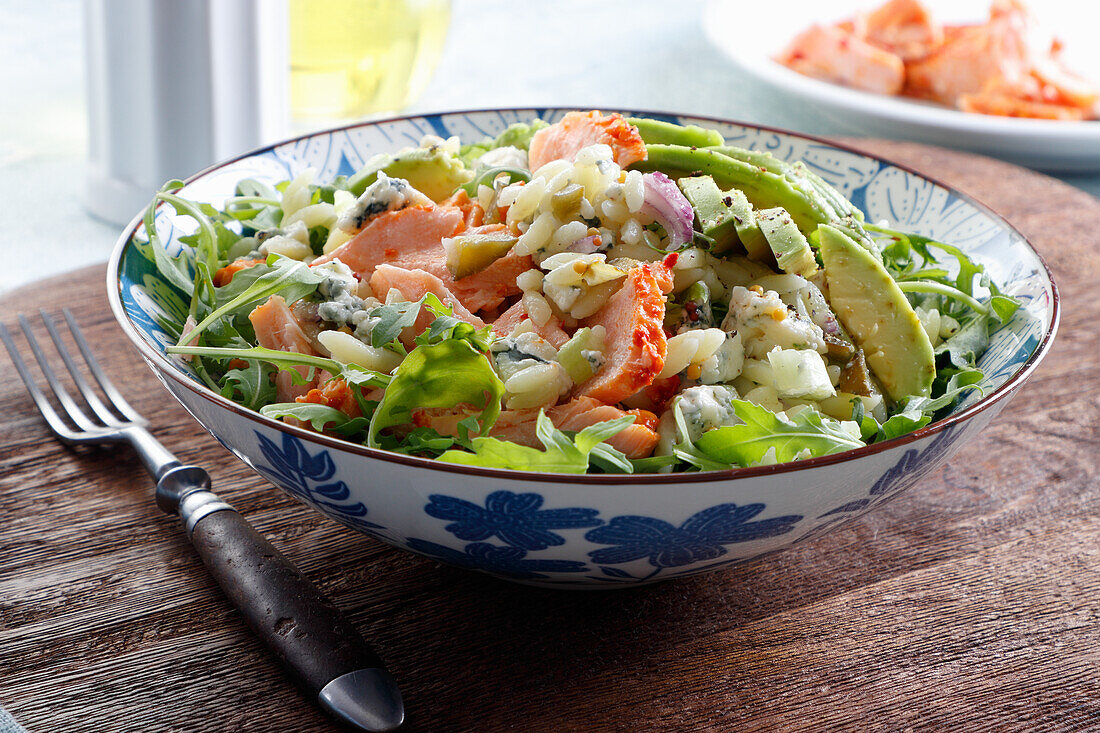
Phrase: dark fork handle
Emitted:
{"points": [[305, 630]]}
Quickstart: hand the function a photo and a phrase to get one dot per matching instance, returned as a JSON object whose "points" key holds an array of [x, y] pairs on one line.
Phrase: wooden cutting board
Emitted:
{"points": [[972, 602]]}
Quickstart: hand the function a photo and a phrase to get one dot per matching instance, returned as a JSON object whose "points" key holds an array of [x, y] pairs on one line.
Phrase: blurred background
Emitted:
{"points": [[106, 99]]}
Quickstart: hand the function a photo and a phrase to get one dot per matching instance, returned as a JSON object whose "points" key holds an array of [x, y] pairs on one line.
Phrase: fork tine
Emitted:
{"points": [[82, 385], [75, 413], [105, 384], [53, 420]]}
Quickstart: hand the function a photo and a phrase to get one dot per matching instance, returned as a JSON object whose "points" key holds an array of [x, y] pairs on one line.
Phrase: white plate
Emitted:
{"points": [[1044, 144]]}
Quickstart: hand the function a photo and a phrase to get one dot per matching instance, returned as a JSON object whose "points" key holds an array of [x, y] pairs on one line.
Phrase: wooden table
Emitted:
{"points": [[972, 602]]}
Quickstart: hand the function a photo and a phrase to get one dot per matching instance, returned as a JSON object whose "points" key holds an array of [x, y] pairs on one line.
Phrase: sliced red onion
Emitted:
{"points": [[585, 246], [669, 208]]}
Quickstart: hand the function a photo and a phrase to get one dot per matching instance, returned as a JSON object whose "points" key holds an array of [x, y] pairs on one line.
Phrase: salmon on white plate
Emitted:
{"points": [[603, 294]]}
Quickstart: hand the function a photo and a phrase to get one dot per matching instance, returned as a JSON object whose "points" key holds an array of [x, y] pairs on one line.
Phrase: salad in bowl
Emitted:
{"points": [[581, 349], [601, 294]]}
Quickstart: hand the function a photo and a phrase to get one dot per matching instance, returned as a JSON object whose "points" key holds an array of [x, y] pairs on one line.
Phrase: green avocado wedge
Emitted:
{"points": [[669, 133], [432, 171], [878, 316], [792, 251]]}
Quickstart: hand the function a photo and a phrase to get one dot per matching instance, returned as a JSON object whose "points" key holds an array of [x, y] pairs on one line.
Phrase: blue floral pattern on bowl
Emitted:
{"points": [[311, 478], [515, 519]]}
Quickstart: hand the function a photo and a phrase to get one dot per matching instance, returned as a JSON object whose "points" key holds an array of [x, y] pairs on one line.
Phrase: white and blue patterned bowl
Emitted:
{"points": [[595, 531]]}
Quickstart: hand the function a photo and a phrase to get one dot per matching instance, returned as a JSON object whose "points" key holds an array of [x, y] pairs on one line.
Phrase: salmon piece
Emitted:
{"points": [[636, 441], [636, 345], [576, 130], [518, 426], [414, 285], [1008, 105], [905, 28], [1057, 85], [411, 239], [276, 328], [830, 53], [517, 314], [489, 288], [225, 275], [970, 59], [472, 213], [336, 394]]}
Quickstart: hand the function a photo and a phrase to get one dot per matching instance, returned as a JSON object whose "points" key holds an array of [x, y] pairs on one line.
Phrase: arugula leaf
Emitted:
{"points": [[419, 442], [562, 455], [686, 451], [950, 384], [763, 430], [447, 326], [287, 360], [902, 423], [908, 257], [446, 374], [290, 278], [1004, 306], [387, 322], [321, 417], [969, 342], [178, 269], [251, 386]]}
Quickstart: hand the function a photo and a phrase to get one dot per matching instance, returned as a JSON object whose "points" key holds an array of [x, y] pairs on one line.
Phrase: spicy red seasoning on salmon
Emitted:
{"points": [[579, 297]]}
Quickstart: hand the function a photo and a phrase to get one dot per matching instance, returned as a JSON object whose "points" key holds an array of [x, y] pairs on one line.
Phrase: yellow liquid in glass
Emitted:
{"points": [[350, 58]]}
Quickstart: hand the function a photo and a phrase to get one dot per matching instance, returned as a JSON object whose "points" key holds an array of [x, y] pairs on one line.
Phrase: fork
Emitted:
{"points": [[306, 631]]}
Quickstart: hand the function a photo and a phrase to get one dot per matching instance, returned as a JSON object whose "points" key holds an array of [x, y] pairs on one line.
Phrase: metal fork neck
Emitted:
{"points": [[156, 458]]}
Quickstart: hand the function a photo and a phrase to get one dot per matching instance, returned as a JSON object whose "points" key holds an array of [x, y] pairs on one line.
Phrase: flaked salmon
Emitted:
{"points": [[411, 239], [276, 328], [414, 285], [517, 314], [577, 130], [636, 441], [635, 344], [905, 28], [830, 53]]}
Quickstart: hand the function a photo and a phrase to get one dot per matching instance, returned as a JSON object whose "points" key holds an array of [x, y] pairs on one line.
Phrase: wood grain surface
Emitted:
{"points": [[972, 602]]}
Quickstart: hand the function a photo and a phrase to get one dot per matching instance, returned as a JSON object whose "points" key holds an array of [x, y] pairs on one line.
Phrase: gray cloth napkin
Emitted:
{"points": [[8, 724]]}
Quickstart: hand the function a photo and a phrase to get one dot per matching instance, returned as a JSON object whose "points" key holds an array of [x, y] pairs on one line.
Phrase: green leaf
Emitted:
{"points": [[287, 360], [177, 270], [389, 320], [954, 382], [320, 417], [1004, 306], [447, 326], [562, 455], [901, 424], [251, 386], [443, 375], [686, 451], [762, 430], [422, 441], [290, 278], [969, 342]]}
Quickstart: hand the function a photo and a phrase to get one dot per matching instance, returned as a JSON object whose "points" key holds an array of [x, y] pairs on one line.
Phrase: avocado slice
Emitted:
{"points": [[878, 316], [792, 251], [716, 221], [669, 133], [581, 356], [432, 171]]}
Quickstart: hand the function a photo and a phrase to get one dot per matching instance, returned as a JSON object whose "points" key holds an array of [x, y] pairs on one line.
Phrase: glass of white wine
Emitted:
{"points": [[354, 58]]}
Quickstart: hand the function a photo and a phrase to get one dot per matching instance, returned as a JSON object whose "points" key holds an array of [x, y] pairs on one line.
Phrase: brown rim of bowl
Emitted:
{"points": [[165, 366]]}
